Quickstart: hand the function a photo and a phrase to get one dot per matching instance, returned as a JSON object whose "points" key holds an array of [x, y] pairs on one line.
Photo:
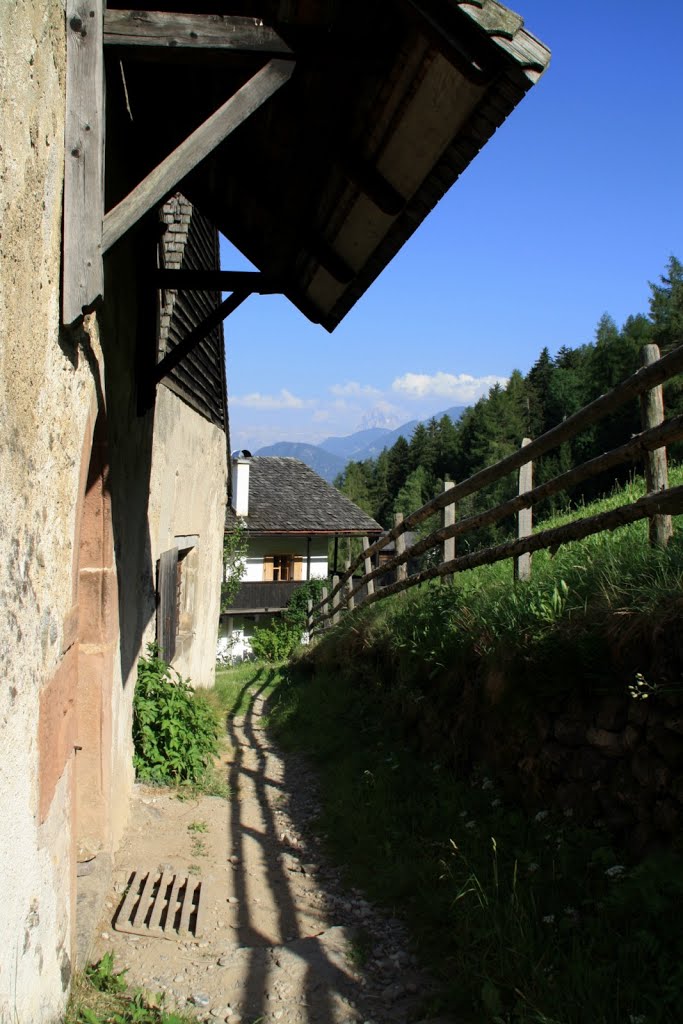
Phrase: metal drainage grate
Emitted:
{"points": [[164, 904]]}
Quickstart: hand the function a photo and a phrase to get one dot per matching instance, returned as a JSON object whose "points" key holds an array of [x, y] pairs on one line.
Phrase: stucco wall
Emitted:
{"points": [[46, 402], [188, 488]]}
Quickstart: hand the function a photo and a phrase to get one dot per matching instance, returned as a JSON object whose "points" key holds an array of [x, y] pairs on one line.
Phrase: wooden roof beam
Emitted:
{"points": [[170, 172], [376, 187], [331, 261], [164, 30]]}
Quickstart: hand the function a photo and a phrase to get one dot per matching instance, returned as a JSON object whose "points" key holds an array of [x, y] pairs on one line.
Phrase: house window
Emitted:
{"points": [[282, 568]]}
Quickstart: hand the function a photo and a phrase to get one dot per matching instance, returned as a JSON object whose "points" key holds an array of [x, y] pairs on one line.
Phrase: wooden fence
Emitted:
{"points": [[657, 505]]}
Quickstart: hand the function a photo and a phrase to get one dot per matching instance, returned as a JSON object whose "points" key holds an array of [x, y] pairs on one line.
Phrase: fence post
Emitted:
{"points": [[449, 520], [335, 601], [656, 470], [524, 518], [350, 601], [325, 608], [402, 570], [367, 567]]}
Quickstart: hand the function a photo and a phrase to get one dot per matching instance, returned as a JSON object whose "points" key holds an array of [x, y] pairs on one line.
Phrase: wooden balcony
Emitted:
{"points": [[262, 597]]}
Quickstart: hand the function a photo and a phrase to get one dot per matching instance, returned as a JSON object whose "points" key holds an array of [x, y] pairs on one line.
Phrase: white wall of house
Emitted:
{"points": [[235, 633], [259, 547]]}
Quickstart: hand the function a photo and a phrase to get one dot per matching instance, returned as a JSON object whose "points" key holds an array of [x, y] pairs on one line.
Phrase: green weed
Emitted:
{"points": [[103, 977], [199, 847], [198, 826], [100, 996], [175, 730]]}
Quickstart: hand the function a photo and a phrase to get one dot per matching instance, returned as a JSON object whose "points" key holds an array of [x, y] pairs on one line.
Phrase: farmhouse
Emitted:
{"points": [[291, 515], [317, 137]]}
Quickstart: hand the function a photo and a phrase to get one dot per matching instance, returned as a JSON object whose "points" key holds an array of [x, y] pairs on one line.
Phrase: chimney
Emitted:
{"points": [[240, 483]]}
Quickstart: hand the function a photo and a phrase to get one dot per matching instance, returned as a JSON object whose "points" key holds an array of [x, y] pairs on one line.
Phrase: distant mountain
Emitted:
{"points": [[326, 464], [330, 457], [376, 445], [347, 447]]}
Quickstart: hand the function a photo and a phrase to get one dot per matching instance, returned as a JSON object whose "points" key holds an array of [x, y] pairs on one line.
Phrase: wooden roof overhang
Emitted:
{"points": [[340, 532], [316, 136]]}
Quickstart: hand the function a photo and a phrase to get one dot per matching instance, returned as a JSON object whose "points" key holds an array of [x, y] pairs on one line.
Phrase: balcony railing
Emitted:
{"points": [[263, 597]]}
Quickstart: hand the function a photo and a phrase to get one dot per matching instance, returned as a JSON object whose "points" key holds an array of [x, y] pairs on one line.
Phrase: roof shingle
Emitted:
{"points": [[286, 496]]}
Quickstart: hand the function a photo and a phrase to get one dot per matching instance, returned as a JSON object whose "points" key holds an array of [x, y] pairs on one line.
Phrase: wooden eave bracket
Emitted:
{"points": [[177, 165], [87, 233]]}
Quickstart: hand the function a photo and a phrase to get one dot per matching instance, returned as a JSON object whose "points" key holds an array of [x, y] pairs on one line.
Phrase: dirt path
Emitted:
{"points": [[282, 941]]}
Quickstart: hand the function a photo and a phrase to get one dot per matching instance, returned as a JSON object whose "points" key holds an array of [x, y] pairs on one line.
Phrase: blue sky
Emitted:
{"points": [[567, 213]]}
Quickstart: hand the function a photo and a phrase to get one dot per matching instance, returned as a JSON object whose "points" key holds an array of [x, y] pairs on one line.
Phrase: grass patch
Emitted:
{"points": [[236, 686]]}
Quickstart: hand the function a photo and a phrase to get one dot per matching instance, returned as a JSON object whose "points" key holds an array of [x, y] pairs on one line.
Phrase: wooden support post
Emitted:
{"points": [[309, 608], [164, 178], [656, 469], [350, 600], [335, 601], [522, 563], [325, 608], [367, 565], [82, 277], [402, 570], [448, 520]]}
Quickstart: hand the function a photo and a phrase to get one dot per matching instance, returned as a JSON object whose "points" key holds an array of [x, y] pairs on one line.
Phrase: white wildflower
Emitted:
{"points": [[541, 816], [549, 919], [615, 871]]}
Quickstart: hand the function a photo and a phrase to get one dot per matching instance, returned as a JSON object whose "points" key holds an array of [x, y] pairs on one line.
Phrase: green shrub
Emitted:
{"points": [[275, 642], [175, 730], [278, 640]]}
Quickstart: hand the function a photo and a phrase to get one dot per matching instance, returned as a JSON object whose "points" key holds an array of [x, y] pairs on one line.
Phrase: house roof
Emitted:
{"points": [[286, 496], [389, 102]]}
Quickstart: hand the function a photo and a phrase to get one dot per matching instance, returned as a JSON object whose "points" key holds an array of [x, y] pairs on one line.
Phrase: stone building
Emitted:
{"points": [[113, 439]]}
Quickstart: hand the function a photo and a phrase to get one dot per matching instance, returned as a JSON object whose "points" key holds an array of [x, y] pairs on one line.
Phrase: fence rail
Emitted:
{"points": [[657, 506]]}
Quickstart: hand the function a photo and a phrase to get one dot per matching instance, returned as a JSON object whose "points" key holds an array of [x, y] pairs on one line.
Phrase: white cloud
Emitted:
{"points": [[321, 415], [284, 400], [352, 389], [461, 388]]}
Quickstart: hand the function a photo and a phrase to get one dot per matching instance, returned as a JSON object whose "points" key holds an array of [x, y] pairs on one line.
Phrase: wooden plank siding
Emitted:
{"points": [[191, 243]]}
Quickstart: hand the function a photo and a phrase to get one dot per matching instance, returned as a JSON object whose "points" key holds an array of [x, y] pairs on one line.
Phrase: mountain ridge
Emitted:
{"points": [[332, 455]]}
